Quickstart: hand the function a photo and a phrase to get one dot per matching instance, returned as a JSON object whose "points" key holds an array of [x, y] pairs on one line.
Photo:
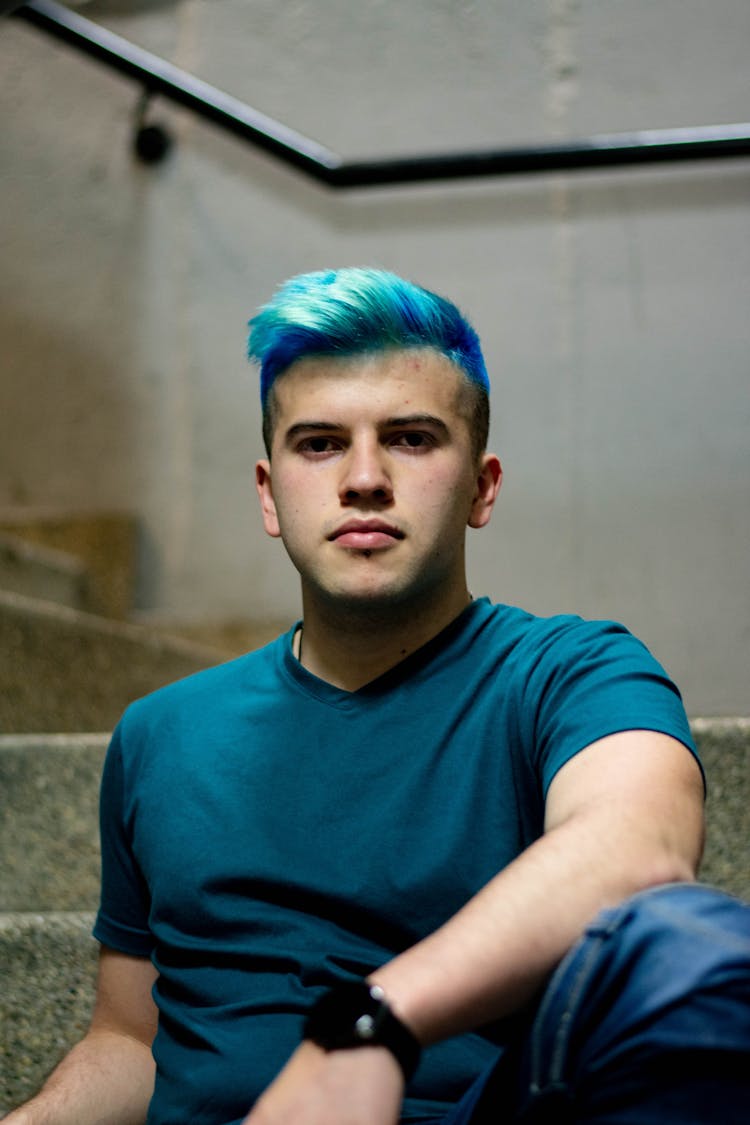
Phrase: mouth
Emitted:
{"points": [[366, 535]]}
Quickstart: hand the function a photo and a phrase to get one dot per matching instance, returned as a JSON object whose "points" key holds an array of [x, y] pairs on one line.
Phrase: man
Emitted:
{"points": [[339, 873]]}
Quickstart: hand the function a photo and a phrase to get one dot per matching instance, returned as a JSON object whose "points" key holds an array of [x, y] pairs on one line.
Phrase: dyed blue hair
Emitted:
{"points": [[351, 311]]}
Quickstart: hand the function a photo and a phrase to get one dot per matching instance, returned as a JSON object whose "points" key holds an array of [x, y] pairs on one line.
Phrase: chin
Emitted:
{"points": [[385, 596]]}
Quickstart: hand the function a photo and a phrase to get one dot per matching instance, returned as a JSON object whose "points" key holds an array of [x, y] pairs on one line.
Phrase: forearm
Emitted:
{"points": [[107, 1079], [495, 954]]}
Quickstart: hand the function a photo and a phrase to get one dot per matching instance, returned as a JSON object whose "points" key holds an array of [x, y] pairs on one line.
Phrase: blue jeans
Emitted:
{"points": [[645, 1022]]}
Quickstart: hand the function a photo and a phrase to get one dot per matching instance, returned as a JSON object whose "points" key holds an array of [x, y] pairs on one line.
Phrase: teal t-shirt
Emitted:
{"points": [[265, 834]]}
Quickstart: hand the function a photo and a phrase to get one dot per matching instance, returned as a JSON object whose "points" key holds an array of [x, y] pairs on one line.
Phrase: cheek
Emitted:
{"points": [[446, 487], [453, 497], [299, 504]]}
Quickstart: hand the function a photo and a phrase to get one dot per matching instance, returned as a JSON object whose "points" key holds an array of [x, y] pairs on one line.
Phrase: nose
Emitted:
{"points": [[365, 475]]}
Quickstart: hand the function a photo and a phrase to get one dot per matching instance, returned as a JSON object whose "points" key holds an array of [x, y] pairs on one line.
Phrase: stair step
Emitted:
{"points": [[724, 746], [104, 543], [66, 671], [42, 572], [47, 975], [49, 833]]}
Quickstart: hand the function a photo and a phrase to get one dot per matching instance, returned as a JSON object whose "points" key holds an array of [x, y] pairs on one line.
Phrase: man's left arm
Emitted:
{"points": [[624, 814]]}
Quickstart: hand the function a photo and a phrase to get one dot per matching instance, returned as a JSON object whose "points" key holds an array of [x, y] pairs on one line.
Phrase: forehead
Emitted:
{"points": [[413, 379]]}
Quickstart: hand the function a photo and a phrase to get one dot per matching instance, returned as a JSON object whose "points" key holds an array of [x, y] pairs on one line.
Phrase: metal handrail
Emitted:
{"points": [[160, 77]]}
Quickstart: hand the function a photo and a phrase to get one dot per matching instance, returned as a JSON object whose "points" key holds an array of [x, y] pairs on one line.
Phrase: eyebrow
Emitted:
{"points": [[312, 427], [398, 422], [406, 420]]}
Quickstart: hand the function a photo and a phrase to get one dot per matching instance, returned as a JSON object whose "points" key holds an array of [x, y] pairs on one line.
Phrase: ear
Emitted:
{"points": [[488, 485], [265, 495]]}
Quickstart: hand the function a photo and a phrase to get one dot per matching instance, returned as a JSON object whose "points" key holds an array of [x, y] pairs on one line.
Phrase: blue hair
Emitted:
{"points": [[351, 311]]}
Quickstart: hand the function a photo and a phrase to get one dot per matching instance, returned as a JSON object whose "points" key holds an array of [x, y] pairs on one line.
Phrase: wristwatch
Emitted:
{"points": [[356, 1014]]}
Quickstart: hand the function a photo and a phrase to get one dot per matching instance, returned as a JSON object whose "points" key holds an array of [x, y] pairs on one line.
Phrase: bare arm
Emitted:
{"points": [[107, 1078], [624, 814]]}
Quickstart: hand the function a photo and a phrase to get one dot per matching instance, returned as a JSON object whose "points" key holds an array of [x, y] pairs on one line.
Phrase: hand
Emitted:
{"points": [[355, 1086]]}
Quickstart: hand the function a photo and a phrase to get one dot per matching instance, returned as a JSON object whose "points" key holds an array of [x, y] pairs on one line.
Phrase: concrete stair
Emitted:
{"points": [[50, 872], [70, 660], [47, 974], [42, 572], [102, 546], [64, 670]]}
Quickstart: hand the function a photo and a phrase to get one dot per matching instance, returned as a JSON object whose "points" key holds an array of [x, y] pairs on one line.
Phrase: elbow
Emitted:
{"points": [[670, 869], [672, 851], [643, 860], [673, 861]]}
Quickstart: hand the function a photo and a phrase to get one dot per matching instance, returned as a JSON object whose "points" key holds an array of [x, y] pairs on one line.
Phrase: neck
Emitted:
{"points": [[351, 646]]}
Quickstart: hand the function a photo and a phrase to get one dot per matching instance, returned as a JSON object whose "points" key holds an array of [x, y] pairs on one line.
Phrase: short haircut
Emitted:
{"points": [[353, 311]]}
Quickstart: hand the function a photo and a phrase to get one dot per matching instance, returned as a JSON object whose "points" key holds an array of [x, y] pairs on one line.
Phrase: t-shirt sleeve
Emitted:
{"points": [[122, 919], [593, 679]]}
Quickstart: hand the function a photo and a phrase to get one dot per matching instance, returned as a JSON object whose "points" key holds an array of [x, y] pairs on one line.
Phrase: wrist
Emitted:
{"points": [[357, 1014]]}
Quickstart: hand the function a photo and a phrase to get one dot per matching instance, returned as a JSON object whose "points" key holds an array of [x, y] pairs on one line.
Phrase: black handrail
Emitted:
{"points": [[159, 77]]}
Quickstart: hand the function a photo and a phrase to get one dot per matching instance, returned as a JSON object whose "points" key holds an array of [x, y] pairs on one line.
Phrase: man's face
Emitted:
{"points": [[372, 480]]}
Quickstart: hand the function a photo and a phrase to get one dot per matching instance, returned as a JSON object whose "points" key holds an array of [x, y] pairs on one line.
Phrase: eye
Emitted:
{"points": [[413, 439], [318, 445]]}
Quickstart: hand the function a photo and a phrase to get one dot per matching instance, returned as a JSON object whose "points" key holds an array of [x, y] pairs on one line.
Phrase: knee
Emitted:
{"points": [[652, 1007], [683, 913], [676, 942], [673, 948]]}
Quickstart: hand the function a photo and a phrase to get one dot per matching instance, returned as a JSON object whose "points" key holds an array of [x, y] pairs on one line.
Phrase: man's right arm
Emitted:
{"points": [[108, 1076]]}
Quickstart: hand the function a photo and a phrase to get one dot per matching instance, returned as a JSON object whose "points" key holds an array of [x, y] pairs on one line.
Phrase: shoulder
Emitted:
{"points": [[563, 665], [511, 656], [233, 682], [532, 639]]}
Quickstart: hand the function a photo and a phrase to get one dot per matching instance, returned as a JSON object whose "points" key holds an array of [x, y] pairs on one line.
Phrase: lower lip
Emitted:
{"points": [[365, 540]]}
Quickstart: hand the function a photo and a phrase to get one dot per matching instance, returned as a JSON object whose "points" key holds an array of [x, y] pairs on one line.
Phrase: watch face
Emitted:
{"points": [[355, 1014], [348, 1015]]}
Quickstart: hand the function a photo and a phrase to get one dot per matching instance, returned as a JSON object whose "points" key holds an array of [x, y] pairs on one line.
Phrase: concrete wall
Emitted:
{"points": [[613, 306]]}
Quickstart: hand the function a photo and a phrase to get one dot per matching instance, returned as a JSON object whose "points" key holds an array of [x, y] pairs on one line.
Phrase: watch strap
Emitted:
{"points": [[357, 1014]]}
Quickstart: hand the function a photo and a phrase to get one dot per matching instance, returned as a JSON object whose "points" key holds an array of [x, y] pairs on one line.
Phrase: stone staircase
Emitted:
{"points": [[96, 550], [69, 661], [70, 658], [64, 670], [48, 889]]}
